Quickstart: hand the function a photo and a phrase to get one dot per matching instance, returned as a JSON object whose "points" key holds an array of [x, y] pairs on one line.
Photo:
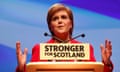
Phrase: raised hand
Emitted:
{"points": [[106, 51], [21, 57]]}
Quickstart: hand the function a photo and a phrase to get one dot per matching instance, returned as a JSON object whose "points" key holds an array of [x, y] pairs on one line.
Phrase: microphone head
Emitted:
{"points": [[45, 34], [83, 35]]}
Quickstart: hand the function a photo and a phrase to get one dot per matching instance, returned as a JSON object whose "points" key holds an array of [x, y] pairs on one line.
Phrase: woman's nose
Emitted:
{"points": [[60, 21]]}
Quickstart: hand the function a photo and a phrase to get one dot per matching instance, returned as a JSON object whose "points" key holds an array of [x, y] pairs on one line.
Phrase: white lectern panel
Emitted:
{"points": [[65, 67]]}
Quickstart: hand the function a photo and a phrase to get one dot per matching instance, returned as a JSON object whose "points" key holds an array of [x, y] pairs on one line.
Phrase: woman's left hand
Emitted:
{"points": [[106, 51]]}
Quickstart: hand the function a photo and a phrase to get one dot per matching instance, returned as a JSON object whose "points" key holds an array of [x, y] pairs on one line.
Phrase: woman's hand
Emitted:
{"points": [[106, 51], [21, 57]]}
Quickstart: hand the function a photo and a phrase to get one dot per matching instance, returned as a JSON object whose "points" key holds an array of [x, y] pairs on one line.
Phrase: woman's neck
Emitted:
{"points": [[62, 38]]}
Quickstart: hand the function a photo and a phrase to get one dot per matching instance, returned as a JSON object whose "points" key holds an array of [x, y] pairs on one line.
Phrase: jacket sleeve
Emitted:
{"points": [[92, 57], [35, 53], [108, 67], [17, 69]]}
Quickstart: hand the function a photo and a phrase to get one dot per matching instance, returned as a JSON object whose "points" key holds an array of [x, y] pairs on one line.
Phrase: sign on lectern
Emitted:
{"points": [[64, 51]]}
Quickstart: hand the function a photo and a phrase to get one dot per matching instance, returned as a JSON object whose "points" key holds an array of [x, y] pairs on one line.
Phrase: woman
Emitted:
{"points": [[60, 23]]}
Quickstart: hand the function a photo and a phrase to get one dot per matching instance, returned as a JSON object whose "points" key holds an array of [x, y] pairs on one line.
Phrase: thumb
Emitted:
{"points": [[102, 48]]}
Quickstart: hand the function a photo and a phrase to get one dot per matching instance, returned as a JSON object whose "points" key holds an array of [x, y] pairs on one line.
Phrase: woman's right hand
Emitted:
{"points": [[21, 57]]}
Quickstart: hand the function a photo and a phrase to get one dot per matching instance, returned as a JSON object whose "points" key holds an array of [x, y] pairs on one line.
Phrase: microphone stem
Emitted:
{"points": [[61, 41], [75, 37]]}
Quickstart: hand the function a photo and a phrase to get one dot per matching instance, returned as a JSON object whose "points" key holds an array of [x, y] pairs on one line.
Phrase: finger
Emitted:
{"points": [[109, 51], [103, 52], [25, 52], [18, 48], [108, 45], [102, 48]]}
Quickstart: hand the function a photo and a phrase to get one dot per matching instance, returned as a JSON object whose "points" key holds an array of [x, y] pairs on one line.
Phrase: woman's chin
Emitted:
{"points": [[61, 32]]}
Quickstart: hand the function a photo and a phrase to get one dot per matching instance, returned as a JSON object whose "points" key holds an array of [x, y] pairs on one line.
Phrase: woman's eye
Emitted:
{"points": [[54, 18], [64, 17]]}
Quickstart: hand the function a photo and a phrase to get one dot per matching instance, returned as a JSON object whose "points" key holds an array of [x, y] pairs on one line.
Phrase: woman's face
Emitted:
{"points": [[61, 23]]}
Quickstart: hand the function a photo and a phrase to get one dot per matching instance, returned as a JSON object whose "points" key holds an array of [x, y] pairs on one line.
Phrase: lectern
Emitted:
{"points": [[65, 51], [65, 67]]}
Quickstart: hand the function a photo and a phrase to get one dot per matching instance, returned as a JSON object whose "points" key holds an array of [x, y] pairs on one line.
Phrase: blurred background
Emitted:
{"points": [[25, 21]]}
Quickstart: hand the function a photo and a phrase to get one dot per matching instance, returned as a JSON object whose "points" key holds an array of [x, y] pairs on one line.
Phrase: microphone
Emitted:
{"points": [[46, 34], [81, 35], [62, 41]]}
